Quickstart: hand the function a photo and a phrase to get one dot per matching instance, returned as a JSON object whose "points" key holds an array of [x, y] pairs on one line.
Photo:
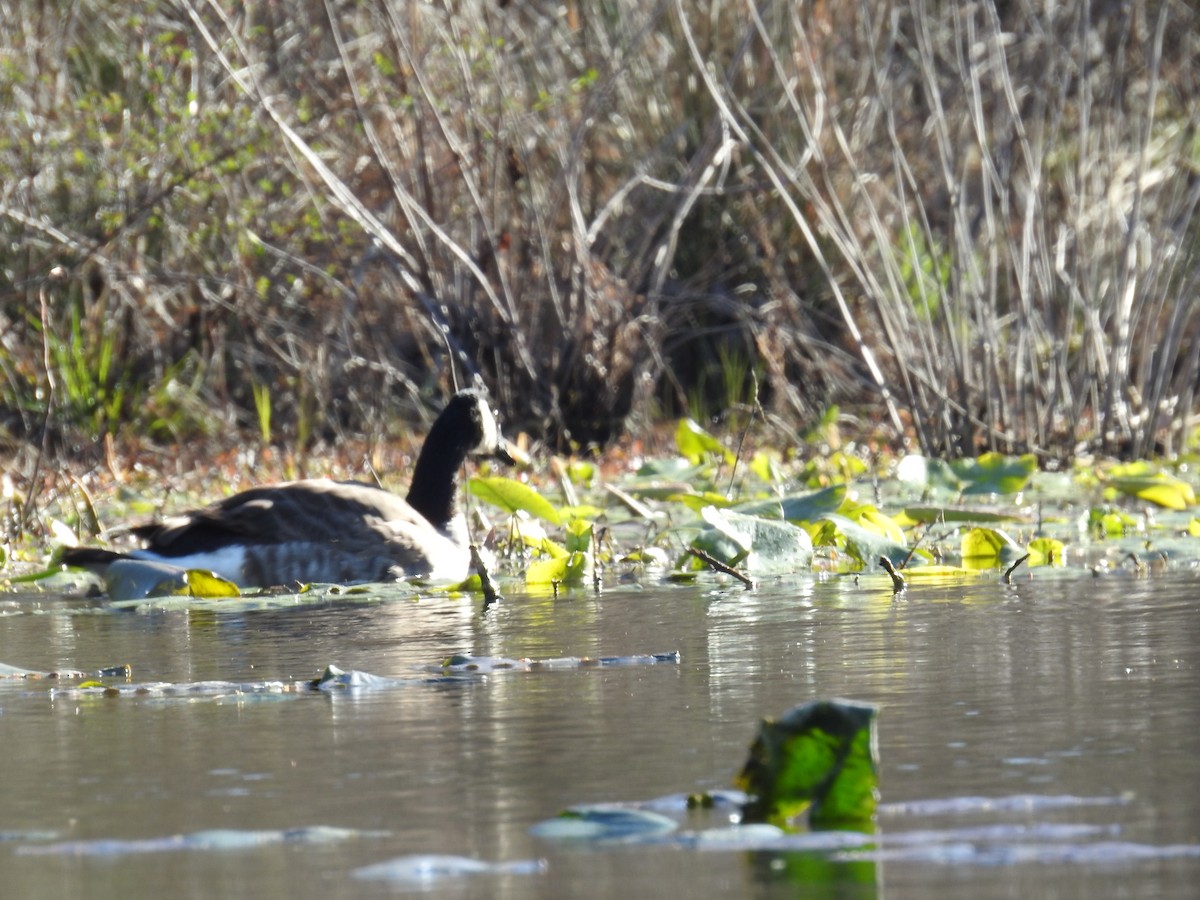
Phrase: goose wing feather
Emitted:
{"points": [[312, 511]]}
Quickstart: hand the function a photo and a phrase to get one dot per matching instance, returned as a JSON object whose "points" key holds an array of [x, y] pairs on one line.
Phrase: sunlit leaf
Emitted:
{"points": [[695, 443], [512, 496], [562, 569], [582, 511], [697, 502], [1108, 522], [1193, 527], [770, 545], [581, 471], [820, 756], [208, 585], [995, 473], [579, 535], [870, 518], [1158, 488], [938, 571], [983, 548], [864, 544], [1045, 551], [764, 466], [949, 514]]}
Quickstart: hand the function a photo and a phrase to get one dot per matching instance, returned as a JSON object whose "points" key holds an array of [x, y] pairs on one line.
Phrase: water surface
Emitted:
{"points": [[1071, 703]]}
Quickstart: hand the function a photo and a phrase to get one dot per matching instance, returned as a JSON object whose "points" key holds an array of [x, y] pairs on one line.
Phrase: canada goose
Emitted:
{"points": [[332, 531]]}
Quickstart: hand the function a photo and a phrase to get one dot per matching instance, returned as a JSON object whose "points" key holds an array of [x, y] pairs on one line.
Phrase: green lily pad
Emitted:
{"points": [[995, 473], [820, 757], [1046, 551], [572, 567], [1140, 480], [814, 506], [863, 544], [983, 548]]}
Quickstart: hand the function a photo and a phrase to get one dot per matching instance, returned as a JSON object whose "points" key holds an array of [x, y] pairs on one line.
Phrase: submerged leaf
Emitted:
{"points": [[820, 756]]}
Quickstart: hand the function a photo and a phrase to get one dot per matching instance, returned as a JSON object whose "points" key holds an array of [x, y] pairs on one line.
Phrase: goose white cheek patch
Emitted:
{"points": [[491, 430]]}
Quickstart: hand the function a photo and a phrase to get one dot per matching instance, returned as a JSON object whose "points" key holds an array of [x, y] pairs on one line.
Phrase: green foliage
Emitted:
{"points": [[1046, 551], [696, 445], [995, 473], [821, 757], [513, 496], [925, 268], [985, 548], [1146, 482]]}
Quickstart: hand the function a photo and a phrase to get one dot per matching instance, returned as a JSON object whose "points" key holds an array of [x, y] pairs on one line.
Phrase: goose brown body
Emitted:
{"points": [[332, 531]]}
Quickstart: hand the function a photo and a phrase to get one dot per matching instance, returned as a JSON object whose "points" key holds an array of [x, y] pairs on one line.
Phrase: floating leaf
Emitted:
{"points": [[770, 546], [817, 505], [1193, 527], [983, 548], [695, 444], [1108, 522], [208, 585], [864, 544], [938, 571], [1045, 551], [513, 496], [560, 570], [922, 472], [820, 756], [870, 518], [674, 468], [697, 502], [995, 473], [1144, 482], [927, 514]]}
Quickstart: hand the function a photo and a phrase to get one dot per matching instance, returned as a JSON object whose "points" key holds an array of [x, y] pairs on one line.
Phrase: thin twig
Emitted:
{"points": [[899, 585], [714, 563], [490, 595], [1008, 572]]}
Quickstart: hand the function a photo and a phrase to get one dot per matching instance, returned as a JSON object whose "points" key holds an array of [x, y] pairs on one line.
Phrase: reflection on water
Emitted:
{"points": [[1051, 688]]}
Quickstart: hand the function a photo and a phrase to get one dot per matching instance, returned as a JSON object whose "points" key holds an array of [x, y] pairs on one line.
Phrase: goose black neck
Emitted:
{"points": [[434, 489]]}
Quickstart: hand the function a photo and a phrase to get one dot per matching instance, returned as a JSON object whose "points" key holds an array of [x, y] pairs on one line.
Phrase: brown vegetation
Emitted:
{"points": [[971, 223]]}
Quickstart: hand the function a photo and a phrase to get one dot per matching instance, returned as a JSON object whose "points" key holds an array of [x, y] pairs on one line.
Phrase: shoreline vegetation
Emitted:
{"points": [[969, 228]]}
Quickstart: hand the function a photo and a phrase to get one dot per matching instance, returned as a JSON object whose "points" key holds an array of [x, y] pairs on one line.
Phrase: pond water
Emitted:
{"points": [[1038, 739]]}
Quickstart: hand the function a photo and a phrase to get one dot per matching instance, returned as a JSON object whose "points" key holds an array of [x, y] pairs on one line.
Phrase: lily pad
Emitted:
{"points": [[820, 757], [984, 548], [995, 473], [769, 546], [1144, 482]]}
